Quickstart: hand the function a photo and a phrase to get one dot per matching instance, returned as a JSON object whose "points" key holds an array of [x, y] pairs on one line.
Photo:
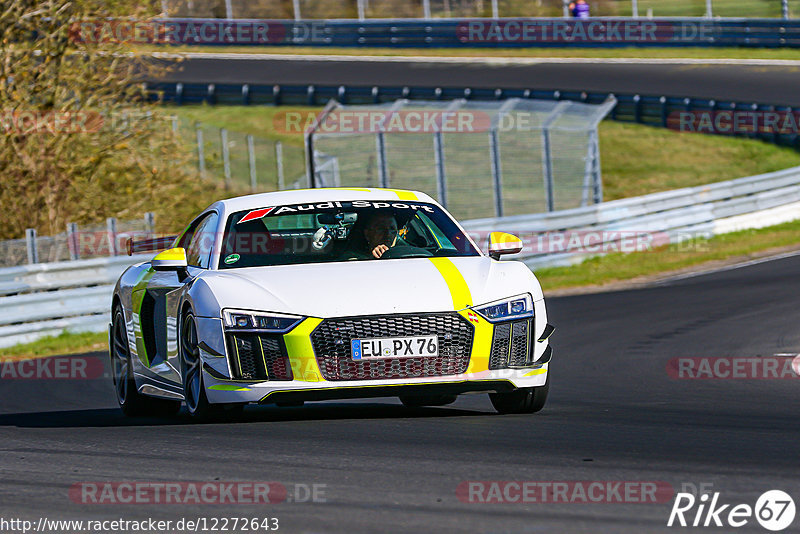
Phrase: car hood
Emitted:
{"points": [[368, 287]]}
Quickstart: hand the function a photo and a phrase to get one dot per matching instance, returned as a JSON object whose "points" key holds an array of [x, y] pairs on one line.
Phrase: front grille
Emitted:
{"points": [[331, 341], [512, 345], [258, 357]]}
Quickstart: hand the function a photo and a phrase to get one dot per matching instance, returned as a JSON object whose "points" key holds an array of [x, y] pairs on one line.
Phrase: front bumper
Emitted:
{"points": [[308, 382]]}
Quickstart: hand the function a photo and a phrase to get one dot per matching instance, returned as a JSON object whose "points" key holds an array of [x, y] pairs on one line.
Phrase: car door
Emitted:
{"points": [[159, 311]]}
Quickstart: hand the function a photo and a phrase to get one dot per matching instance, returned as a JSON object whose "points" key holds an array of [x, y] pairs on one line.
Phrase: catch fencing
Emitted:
{"points": [[243, 162], [476, 33], [76, 243], [476, 158], [433, 9]]}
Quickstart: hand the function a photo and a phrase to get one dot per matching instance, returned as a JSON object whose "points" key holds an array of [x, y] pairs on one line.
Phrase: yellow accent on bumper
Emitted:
{"points": [[537, 372], [301, 352], [481, 343]]}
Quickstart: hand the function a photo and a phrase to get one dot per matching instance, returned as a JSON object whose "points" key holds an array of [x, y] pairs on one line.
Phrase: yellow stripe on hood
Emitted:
{"points": [[459, 290]]}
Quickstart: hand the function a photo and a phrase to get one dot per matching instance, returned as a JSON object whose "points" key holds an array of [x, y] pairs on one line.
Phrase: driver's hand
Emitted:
{"points": [[379, 250]]}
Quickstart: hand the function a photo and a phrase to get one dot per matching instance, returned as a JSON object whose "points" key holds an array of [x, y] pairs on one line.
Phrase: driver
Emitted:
{"points": [[380, 231]]}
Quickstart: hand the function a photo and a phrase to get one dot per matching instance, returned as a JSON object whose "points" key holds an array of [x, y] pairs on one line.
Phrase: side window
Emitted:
{"points": [[200, 241]]}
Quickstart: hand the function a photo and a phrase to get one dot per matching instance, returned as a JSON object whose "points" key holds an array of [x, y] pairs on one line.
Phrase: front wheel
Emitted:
{"points": [[521, 400], [194, 390]]}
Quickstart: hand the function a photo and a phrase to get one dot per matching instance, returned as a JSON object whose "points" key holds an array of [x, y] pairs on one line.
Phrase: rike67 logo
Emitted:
{"points": [[774, 510]]}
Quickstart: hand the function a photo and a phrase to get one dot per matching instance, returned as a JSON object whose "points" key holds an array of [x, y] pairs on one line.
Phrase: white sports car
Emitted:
{"points": [[323, 294]]}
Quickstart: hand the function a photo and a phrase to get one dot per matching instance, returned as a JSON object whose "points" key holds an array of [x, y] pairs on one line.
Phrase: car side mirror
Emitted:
{"points": [[173, 259], [502, 243]]}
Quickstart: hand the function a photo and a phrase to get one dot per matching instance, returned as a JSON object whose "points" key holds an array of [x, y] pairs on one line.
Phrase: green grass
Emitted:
{"points": [[637, 159], [65, 343], [532, 52], [600, 270]]}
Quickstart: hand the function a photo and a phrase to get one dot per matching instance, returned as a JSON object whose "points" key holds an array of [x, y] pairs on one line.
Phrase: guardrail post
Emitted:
{"points": [[150, 223], [497, 171], [634, 8], [72, 242], [296, 8], [664, 118], [251, 159], [441, 177], [111, 228], [709, 11], [637, 109], [179, 93], [276, 95], [426, 9], [495, 10], [228, 9], [785, 9], [201, 156], [360, 5], [547, 167], [594, 178], [246, 94], [380, 149], [226, 156], [279, 164], [30, 242]]}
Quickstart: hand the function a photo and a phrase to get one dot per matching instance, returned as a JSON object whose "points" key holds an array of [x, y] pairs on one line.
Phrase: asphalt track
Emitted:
{"points": [[768, 84], [614, 414]]}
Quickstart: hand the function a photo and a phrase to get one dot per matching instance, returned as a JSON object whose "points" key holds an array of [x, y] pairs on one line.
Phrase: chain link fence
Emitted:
{"points": [[77, 242], [242, 161], [477, 158], [426, 9]]}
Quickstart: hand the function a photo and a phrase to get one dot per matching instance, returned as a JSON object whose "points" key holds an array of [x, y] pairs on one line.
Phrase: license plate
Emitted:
{"points": [[394, 347]]}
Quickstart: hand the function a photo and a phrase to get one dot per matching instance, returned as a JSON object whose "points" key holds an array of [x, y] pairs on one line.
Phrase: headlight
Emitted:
{"points": [[508, 309], [262, 322]]}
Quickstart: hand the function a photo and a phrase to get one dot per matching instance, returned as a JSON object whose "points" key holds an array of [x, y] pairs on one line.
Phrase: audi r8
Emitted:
{"points": [[294, 296]]}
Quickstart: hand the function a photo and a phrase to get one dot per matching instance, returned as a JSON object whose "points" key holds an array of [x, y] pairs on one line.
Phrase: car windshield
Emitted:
{"points": [[340, 231]]}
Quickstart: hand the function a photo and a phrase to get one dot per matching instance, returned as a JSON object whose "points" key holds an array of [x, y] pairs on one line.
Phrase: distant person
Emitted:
{"points": [[579, 9]]}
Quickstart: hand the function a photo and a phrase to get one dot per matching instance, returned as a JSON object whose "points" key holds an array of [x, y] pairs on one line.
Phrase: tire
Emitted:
{"points": [[132, 403], [194, 390], [420, 401], [521, 400]]}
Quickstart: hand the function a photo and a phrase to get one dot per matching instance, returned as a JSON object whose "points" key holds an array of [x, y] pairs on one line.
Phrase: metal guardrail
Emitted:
{"points": [[48, 298], [669, 217], [45, 299], [653, 110], [597, 32]]}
